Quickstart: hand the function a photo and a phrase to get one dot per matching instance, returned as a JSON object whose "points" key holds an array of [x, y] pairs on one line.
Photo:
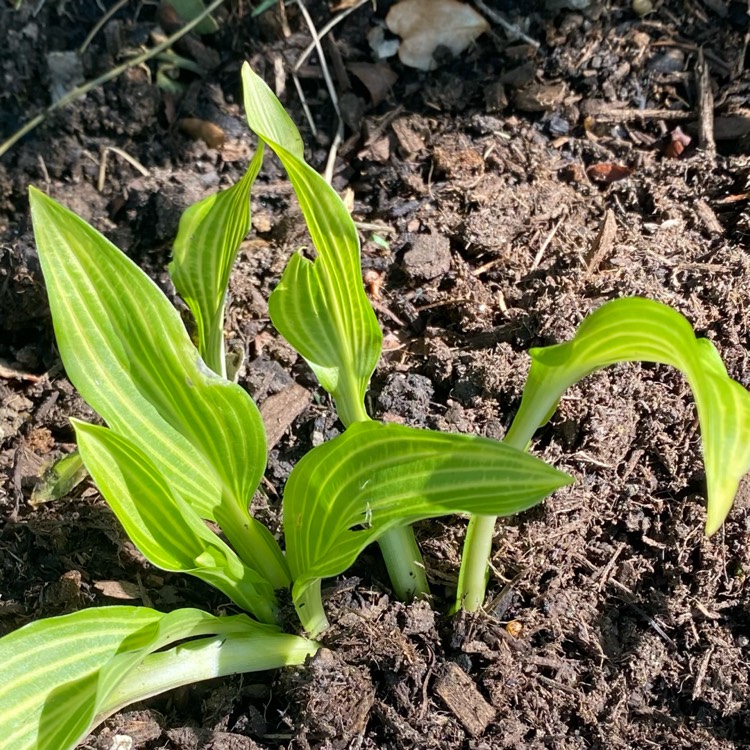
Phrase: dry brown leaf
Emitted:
{"points": [[607, 172], [377, 78], [425, 25], [118, 589]]}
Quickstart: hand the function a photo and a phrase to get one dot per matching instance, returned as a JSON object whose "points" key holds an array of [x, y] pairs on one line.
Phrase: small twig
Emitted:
{"points": [[339, 136], [71, 96], [303, 102], [705, 106], [627, 114], [123, 154], [490, 264], [331, 24], [545, 244], [338, 139], [367, 226], [308, 51], [702, 669], [510, 29], [98, 26]]}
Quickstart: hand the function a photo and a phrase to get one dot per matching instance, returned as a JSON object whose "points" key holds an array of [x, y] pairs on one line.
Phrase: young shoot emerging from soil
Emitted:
{"points": [[184, 445]]}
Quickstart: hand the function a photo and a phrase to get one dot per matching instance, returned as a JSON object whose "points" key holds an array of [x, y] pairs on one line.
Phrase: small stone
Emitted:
{"points": [[428, 258]]}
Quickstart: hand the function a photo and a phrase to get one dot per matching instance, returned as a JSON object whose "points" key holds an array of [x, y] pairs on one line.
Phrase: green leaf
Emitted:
{"points": [[319, 307], [636, 329], [187, 10], [59, 673], [208, 238], [168, 532], [346, 493], [59, 480], [126, 351]]}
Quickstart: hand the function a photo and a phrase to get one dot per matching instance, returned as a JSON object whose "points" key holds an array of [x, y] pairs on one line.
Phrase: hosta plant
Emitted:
{"points": [[184, 444]]}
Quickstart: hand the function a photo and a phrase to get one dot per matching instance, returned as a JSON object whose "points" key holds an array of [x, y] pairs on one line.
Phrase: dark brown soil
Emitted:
{"points": [[612, 621]]}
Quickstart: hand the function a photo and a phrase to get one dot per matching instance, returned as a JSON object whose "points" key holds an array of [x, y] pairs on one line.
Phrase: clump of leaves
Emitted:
{"points": [[184, 445]]}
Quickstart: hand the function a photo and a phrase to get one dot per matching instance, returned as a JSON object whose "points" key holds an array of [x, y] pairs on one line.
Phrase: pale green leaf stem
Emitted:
{"points": [[204, 659], [627, 330]]}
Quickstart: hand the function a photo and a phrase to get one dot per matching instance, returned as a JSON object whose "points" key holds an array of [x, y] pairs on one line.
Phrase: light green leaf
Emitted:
{"points": [[347, 492], [59, 479], [59, 673], [208, 238], [319, 307], [638, 329], [126, 351], [168, 532]]}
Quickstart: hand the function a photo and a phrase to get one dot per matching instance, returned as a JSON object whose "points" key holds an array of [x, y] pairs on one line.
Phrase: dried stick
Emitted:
{"points": [[71, 96]]}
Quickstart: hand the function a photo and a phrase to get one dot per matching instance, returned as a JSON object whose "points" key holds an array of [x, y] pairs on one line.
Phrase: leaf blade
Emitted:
{"points": [[56, 672], [168, 532], [378, 476], [636, 329], [320, 307], [126, 351]]}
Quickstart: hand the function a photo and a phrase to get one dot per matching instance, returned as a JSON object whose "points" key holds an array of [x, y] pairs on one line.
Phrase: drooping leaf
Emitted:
{"points": [[126, 351], [636, 329], [208, 238], [59, 673], [320, 306], [347, 492], [168, 532]]}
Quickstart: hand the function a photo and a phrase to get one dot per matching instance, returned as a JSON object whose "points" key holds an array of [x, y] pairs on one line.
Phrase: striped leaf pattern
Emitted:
{"points": [[346, 493], [636, 329], [168, 532], [204, 252], [320, 307], [127, 352], [59, 673]]}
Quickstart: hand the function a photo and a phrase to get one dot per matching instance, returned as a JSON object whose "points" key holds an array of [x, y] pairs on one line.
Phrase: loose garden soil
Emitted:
{"points": [[501, 198]]}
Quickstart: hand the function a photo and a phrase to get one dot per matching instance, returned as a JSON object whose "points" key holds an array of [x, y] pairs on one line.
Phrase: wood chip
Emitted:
{"points": [[602, 245], [705, 106], [460, 695], [281, 409], [10, 370], [410, 133], [708, 217], [118, 589]]}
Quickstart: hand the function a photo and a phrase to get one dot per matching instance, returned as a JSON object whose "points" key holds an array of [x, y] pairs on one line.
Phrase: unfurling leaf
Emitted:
{"points": [[320, 306], [208, 238]]}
